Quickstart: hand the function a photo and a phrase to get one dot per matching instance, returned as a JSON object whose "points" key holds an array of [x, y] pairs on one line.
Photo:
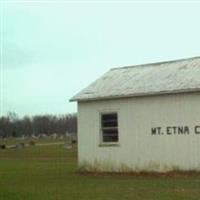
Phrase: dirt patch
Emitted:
{"points": [[142, 174]]}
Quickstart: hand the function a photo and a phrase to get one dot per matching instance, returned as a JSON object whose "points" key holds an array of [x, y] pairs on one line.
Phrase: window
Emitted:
{"points": [[109, 127]]}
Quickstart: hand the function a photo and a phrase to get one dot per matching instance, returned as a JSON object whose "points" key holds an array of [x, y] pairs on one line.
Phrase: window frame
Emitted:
{"points": [[109, 143]]}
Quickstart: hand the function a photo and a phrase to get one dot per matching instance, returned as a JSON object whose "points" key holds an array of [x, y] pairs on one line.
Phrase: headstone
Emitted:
{"points": [[19, 146], [67, 146]]}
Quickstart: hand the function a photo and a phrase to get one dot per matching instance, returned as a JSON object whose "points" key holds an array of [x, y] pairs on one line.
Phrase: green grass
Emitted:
{"points": [[49, 173]]}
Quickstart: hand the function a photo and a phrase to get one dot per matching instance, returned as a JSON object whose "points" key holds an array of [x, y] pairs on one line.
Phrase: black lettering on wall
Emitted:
{"points": [[197, 129], [159, 130], [181, 130], [174, 129], [156, 131], [153, 131], [169, 130], [186, 130]]}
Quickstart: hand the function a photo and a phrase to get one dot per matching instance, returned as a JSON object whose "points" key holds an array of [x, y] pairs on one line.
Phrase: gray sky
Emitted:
{"points": [[50, 50]]}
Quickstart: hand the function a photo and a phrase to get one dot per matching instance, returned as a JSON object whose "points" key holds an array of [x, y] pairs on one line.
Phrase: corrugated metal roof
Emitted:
{"points": [[141, 80]]}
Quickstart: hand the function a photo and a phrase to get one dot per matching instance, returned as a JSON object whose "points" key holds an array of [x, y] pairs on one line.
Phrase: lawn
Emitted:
{"points": [[50, 173]]}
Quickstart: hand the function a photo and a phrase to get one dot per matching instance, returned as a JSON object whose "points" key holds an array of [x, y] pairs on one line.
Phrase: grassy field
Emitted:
{"points": [[50, 173]]}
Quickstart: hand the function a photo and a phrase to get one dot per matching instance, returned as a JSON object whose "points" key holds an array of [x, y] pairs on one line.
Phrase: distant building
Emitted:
{"points": [[141, 118]]}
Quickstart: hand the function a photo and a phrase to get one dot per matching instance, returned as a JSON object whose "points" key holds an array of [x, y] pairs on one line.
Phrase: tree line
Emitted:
{"points": [[13, 126]]}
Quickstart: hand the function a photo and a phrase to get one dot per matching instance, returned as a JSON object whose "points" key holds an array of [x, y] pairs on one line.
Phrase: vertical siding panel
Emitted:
{"points": [[138, 149]]}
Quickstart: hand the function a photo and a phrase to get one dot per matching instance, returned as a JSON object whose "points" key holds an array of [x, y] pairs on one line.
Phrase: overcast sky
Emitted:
{"points": [[51, 50]]}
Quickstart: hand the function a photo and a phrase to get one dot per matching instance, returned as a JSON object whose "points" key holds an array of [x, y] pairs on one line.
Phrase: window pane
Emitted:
{"points": [[110, 135], [111, 116], [109, 123], [109, 127], [110, 138]]}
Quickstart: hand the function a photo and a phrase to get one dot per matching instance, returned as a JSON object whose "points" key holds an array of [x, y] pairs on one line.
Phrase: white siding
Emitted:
{"points": [[138, 149]]}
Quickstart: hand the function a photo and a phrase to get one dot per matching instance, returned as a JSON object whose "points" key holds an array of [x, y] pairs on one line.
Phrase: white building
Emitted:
{"points": [[141, 118]]}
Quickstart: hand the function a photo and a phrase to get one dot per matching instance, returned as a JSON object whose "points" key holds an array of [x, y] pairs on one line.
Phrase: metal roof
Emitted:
{"points": [[141, 80]]}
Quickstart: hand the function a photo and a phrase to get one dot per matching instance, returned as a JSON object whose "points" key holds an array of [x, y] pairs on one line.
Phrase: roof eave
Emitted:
{"points": [[135, 95]]}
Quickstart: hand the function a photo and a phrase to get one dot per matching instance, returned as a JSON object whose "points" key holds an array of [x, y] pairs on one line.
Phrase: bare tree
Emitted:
{"points": [[12, 125]]}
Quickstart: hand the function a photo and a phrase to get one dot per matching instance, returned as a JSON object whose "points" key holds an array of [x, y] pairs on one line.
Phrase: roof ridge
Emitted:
{"points": [[156, 63]]}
